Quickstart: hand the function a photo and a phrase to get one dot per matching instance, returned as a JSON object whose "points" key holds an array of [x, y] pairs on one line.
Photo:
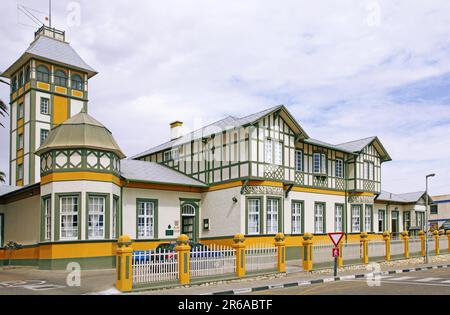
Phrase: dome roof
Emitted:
{"points": [[81, 131]]}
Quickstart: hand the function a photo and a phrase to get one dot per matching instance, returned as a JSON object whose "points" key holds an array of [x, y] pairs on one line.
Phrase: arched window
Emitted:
{"points": [[188, 210], [27, 74], [20, 79], [60, 78], [43, 74], [77, 82]]}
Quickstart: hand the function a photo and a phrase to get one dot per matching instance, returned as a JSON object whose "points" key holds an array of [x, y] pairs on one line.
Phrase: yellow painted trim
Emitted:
{"points": [[44, 86], [265, 183], [318, 191], [20, 158], [27, 86], [365, 194], [224, 186], [14, 95], [60, 109], [72, 176], [77, 93], [60, 89], [19, 182], [20, 91], [20, 128], [176, 124]]}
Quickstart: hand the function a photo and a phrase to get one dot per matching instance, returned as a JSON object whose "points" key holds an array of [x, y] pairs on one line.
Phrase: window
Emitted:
{"points": [[20, 79], [338, 218], [77, 82], [268, 152], [20, 111], [368, 170], [297, 210], [14, 84], [20, 142], [273, 152], [254, 212], [339, 168], [356, 219], [406, 220], [171, 155], [27, 74], [60, 78], [96, 217], [319, 212], [299, 161], [44, 135], [45, 106], [381, 221], [272, 216], [420, 219], [69, 217], [115, 207], [433, 209], [146, 219], [47, 219], [319, 163], [20, 171], [43, 74], [368, 218]]}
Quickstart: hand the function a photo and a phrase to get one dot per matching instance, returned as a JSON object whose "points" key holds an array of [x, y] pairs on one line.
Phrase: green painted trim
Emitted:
{"points": [[106, 214], [57, 228], [261, 214], [155, 218], [42, 216], [195, 204], [302, 216], [116, 202]]}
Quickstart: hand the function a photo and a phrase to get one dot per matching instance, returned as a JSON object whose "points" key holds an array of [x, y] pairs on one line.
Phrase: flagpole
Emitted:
{"points": [[50, 13]]}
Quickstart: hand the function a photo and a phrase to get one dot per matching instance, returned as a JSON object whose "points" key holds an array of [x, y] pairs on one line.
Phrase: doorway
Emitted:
{"points": [[394, 225]]}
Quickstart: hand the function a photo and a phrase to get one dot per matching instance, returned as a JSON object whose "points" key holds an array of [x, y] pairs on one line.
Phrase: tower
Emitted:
{"points": [[49, 84]]}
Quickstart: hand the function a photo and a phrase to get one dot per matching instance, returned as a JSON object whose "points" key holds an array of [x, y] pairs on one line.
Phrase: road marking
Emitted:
{"points": [[402, 278], [427, 279], [446, 281]]}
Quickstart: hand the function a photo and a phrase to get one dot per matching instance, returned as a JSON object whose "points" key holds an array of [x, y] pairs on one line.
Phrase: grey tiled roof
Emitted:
{"points": [[356, 145], [155, 173], [405, 198], [5, 189], [325, 144]]}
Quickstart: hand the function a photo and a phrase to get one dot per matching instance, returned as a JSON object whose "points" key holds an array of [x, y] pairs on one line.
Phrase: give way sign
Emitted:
{"points": [[336, 237]]}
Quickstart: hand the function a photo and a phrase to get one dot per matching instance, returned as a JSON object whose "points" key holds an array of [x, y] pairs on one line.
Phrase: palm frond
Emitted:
{"points": [[2, 177]]}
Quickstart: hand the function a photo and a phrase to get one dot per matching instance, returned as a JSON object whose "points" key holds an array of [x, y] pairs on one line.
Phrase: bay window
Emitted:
{"points": [[96, 217], [69, 207]]}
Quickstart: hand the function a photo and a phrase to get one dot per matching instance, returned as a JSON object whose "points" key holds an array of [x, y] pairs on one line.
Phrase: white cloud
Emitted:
{"points": [[200, 60]]}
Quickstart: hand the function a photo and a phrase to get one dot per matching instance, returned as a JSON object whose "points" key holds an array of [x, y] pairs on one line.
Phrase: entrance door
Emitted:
{"points": [[394, 222], [188, 221]]}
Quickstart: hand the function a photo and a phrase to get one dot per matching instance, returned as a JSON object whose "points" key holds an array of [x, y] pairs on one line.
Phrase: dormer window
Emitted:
{"points": [[43, 74], [319, 163], [60, 78]]}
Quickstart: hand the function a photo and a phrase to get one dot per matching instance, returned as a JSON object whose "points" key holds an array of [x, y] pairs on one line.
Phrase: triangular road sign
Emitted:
{"points": [[336, 237]]}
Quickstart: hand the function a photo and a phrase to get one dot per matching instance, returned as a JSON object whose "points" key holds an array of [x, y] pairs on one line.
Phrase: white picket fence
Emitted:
{"points": [[212, 260], [152, 267], [377, 249], [351, 251], [397, 247], [322, 252], [443, 244], [415, 246], [261, 257]]}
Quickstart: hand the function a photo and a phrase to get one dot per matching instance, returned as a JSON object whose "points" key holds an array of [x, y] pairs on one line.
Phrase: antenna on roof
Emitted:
{"points": [[50, 13], [35, 16]]}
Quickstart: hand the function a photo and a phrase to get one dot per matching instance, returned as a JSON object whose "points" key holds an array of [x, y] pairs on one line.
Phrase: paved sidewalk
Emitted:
{"points": [[278, 280]]}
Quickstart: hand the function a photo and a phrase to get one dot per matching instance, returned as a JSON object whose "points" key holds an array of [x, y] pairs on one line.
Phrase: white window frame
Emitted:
{"points": [[338, 218], [69, 210], [356, 218], [299, 160], [20, 171], [96, 217], [339, 168], [254, 216], [381, 218], [114, 217], [277, 153], [47, 219], [368, 212], [369, 170], [45, 106], [268, 151], [319, 213], [319, 163], [297, 212], [20, 141], [146, 214], [272, 215], [20, 110]]}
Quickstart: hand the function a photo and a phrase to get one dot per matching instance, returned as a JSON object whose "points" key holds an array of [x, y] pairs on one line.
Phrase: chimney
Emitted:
{"points": [[175, 130]]}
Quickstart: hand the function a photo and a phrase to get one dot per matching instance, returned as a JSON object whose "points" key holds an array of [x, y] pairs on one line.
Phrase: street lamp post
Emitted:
{"points": [[426, 216]]}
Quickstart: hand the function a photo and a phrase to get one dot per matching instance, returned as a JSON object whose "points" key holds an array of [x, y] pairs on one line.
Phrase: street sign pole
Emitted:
{"points": [[336, 239], [335, 266]]}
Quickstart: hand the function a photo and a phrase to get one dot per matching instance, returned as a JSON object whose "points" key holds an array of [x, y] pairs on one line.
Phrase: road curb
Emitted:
{"points": [[322, 280]]}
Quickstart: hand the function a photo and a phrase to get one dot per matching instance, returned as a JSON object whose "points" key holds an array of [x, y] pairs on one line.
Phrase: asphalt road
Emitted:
{"points": [[435, 282]]}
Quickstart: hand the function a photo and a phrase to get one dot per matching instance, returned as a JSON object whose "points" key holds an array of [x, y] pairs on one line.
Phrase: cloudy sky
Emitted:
{"points": [[345, 69]]}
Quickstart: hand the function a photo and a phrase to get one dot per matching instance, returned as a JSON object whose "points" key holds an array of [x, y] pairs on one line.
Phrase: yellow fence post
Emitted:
{"points": [[448, 239], [405, 237], [422, 243], [239, 246], [124, 252], [340, 257], [436, 241], [387, 242], [365, 250], [307, 252], [281, 249], [183, 250]]}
